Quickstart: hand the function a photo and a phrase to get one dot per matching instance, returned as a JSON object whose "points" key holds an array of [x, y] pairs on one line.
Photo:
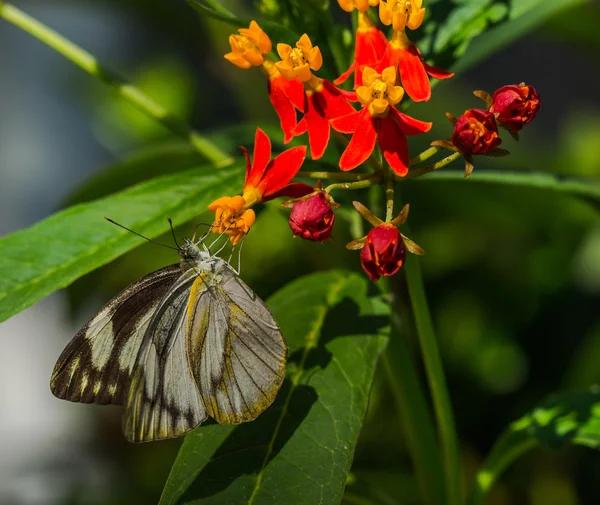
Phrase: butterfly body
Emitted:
{"points": [[181, 344]]}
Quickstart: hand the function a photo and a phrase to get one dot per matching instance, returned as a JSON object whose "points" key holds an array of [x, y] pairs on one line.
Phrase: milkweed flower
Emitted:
{"points": [[322, 100], [378, 121], [266, 179], [515, 105], [370, 41], [384, 248], [475, 132], [248, 49], [402, 54]]}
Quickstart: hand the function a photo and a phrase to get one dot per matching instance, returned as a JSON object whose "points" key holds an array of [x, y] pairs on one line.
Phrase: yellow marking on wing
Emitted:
{"points": [[195, 292]]}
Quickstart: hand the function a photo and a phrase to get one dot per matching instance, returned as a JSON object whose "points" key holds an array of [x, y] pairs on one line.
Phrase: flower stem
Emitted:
{"points": [[389, 196], [371, 181], [413, 407], [425, 155], [340, 176], [128, 91], [430, 168], [437, 381]]}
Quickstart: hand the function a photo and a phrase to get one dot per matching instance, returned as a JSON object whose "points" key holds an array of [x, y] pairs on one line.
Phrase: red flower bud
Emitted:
{"points": [[475, 132], [384, 251], [515, 105], [313, 218]]}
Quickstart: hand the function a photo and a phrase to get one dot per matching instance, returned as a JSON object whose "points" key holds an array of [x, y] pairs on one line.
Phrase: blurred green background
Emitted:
{"points": [[512, 275]]}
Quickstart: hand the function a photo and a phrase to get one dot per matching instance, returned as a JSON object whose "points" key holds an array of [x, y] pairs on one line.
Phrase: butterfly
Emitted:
{"points": [[188, 341]]}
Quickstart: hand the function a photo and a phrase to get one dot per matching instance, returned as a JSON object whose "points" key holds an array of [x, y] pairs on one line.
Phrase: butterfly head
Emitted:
{"points": [[190, 254]]}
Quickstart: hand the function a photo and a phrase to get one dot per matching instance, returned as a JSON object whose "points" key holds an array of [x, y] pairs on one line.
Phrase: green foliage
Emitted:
{"points": [[58, 250], [300, 450], [570, 418]]}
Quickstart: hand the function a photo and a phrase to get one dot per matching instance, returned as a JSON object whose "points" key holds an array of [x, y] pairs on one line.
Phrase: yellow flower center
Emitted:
{"points": [[248, 48], [402, 14], [299, 61], [379, 91], [360, 5], [232, 217]]}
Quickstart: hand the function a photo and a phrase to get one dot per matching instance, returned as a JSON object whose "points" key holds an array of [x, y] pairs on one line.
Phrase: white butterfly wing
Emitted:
{"points": [[237, 352], [164, 400], [97, 364]]}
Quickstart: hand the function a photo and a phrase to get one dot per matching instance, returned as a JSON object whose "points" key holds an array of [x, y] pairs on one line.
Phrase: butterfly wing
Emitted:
{"points": [[236, 349], [164, 400], [96, 366]]}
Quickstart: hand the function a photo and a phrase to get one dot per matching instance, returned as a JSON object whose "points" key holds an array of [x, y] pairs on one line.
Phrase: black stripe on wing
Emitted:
{"points": [[97, 365]]}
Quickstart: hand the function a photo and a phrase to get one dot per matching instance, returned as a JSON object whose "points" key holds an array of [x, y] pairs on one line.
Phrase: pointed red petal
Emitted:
{"points": [[262, 155], [300, 128], [413, 75], [436, 72], [391, 57], [393, 144], [317, 125], [282, 170], [293, 190], [361, 144], [409, 125], [247, 156], [335, 103], [349, 123], [370, 46], [294, 90], [342, 78], [284, 109]]}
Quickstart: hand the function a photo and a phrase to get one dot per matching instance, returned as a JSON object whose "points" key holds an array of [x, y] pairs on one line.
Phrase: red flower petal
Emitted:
{"points": [[347, 124], [409, 125], [361, 144], [317, 124], [371, 44], [393, 144], [413, 75], [294, 90], [342, 78], [436, 72], [336, 104], [282, 170], [293, 190], [248, 166], [300, 128], [283, 107], [262, 155]]}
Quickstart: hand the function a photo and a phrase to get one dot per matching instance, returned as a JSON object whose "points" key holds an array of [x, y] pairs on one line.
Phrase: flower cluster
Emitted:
{"points": [[386, 71]]}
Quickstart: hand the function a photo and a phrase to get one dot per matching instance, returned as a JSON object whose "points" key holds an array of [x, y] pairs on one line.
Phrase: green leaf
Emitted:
{"points": [[276, 31], [461, 33], [588, 189], [300, 449], [524, 16], [54, 252], [570, 418]]}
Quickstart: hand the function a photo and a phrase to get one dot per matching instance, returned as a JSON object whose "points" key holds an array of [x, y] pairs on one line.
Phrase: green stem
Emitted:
{"points": [[437, 381], [131, 93], [389, 197], [430, 168], [340, 176], [413, 407], [425, 155], [371, 181], [506, 451]]}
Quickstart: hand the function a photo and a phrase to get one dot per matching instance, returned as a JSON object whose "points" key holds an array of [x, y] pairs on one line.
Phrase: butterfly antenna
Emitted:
{"points": [[139, 234], [173, 233]]}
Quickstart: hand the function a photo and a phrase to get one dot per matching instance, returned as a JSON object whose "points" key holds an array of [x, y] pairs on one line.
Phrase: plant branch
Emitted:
{"points": [[128, 91], [425, 155], [340, 176], [437, 381], [366, 183], [430, 168]]}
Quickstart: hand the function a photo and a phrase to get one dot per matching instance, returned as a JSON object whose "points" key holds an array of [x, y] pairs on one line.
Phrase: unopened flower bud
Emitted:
{"points": [[475, 132], [313, 218], [384, 251], [515, 105]]}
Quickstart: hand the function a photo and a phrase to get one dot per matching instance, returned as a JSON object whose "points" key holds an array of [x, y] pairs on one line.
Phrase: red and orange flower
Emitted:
{"points": [[378, 121], [402, 54], [266, 179], [370, 41]]}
